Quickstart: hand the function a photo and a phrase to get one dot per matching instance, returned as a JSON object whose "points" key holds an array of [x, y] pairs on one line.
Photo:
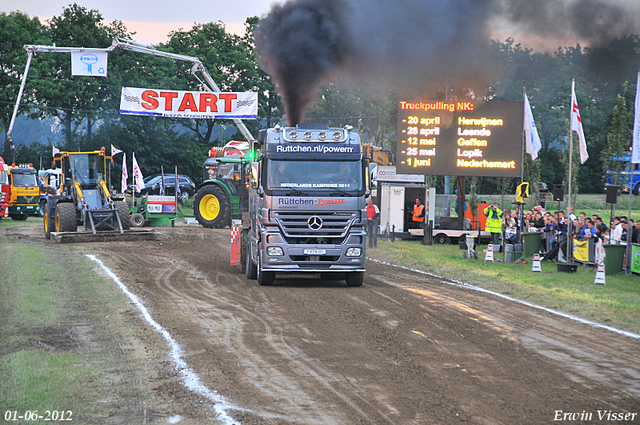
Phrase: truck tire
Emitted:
{"points": [[212, 207], [137, 220], [123, 211], [354, 278], [251, 270], [264, 278], [66, 220], [441, 239], [48, 222]]}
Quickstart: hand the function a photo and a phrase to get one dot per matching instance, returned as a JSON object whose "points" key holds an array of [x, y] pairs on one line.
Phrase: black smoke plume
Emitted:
{"points": [[300, 44], [414, 44]]}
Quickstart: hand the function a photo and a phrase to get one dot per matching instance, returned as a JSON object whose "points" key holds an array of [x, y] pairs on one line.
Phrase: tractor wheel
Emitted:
{"points": [[137, 220], [66, 220], [212, 207], [123, 211], [49, 222]]}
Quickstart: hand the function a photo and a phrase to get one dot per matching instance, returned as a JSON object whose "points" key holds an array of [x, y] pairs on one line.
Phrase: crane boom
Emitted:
{"points": [[125, 44]]}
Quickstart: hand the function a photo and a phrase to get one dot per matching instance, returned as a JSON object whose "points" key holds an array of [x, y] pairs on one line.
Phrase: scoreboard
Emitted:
{"points": [[453, 138]]}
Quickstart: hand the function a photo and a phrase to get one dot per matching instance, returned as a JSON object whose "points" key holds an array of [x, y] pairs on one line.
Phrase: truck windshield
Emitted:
{"points": [[4, 177], [24, 180], [315, 175]]}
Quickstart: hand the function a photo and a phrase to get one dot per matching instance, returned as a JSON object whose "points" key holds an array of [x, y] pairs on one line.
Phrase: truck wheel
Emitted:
{"points": [[442, 239], [636, 190], [354, 278], [212, 207], [123, 211], [264, 278], [66, 220], [49, 222], [137, 220], [251, 270]]}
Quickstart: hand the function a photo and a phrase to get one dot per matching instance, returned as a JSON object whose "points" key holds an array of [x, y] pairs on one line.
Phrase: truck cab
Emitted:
{"points": [[307, 204], [24, 200]]}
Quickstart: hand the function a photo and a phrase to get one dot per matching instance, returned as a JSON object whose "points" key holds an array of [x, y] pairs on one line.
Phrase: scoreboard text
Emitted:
{"points": [[460, 138]]}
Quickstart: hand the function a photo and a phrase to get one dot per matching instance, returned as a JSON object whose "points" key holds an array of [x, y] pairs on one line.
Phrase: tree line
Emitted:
{"points": [[86, 108]]}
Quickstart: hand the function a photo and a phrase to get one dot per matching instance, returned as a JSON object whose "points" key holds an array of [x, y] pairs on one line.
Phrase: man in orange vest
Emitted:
{"points": [[418, 214]]}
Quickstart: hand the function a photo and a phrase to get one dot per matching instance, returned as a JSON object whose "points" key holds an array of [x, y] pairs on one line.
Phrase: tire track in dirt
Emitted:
{"points": [[609, 376], [402, 349], [205, 291]]}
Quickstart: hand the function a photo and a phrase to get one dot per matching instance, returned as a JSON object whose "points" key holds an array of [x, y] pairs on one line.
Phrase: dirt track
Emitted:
{"points": [[402, 349]]}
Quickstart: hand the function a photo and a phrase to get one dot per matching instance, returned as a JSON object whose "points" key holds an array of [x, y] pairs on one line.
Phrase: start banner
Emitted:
{"points": [[188, 104]]}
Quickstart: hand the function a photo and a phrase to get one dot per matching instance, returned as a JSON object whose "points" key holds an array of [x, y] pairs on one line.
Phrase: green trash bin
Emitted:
{"points": [[614, 258], [531, 242]]}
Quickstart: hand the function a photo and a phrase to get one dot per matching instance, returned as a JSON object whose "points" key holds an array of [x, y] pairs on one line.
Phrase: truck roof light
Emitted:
{"points": [[308, 135], [322, 135], [293, 135], [337, 135]]}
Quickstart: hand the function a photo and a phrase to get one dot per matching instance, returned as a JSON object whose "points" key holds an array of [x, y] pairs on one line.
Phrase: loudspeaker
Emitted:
{"points": [[612, 193], [558, 192]]}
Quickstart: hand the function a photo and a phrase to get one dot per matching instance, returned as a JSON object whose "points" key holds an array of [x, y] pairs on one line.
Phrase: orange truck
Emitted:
{"points": [[24, 199]]}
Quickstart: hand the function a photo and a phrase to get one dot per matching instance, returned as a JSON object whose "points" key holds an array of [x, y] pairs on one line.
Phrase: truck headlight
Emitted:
{"points": [[275, 251], [353, 252]]}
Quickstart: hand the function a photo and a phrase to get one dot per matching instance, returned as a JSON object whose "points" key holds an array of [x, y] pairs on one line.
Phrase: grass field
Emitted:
{"points": [[55, 311]]}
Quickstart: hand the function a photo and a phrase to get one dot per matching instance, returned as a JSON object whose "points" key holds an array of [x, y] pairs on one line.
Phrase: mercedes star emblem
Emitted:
{"points": [[314, 222]]}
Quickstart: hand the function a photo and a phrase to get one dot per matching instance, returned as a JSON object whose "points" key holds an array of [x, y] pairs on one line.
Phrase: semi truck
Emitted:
{"points": [[307, 204], [24, 200]]}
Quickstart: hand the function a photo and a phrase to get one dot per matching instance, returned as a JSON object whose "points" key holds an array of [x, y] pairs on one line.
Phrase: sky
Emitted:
{"points": [[152, 20]]}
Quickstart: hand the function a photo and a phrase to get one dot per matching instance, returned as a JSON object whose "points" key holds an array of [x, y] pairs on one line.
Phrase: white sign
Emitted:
{"points": [[188, 104], [387, 173], [89, 63]]}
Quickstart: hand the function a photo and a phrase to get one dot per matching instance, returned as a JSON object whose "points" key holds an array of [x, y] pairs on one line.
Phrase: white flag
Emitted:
{"points": [[531, 132], [635, 150], [55, 150], [115, 151], [89, 63], [125, 173], [138, 178], [576, 124]]}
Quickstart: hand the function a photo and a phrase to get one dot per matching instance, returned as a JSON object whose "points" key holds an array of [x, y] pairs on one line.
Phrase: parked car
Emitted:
{"points": [[187, 186]]}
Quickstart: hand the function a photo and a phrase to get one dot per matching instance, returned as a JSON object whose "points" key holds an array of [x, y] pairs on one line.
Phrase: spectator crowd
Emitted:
{"points": [[555, 227]]}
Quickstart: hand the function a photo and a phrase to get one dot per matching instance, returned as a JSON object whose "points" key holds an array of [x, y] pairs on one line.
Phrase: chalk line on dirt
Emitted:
{"points": [[189, 377]]}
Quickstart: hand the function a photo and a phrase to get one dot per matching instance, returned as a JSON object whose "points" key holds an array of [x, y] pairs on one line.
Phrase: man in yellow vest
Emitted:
{"points": [[418, 214], [494, 222]]}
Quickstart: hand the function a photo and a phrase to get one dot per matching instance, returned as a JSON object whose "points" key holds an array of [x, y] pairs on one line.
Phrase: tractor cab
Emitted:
{"points": [[219, 168]]}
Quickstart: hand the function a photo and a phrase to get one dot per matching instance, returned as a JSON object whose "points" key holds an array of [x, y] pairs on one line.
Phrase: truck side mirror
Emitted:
{"points": [[373, 176]]}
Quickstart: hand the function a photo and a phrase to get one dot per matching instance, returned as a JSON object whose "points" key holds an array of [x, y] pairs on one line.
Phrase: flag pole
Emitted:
{"points": [[524, 95], [569, 205], [627, 266]]}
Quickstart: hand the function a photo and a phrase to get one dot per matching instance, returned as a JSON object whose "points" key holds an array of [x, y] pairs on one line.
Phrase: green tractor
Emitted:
{"points": [[224, 192]]}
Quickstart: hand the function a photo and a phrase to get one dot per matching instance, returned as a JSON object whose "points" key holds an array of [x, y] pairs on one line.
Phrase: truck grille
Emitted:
{"points": [[315, 228]]}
